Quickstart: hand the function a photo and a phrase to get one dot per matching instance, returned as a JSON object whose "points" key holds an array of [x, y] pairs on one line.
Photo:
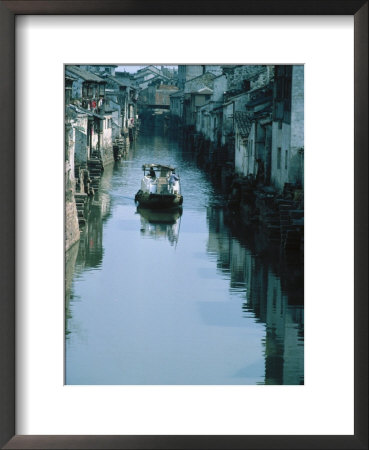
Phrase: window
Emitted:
{"points": [[68, 95], [285, 159], [279, 153], [246, 85]]}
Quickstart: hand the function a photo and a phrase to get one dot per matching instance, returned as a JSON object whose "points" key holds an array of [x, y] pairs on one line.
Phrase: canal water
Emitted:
{"points": [[174, 299]]}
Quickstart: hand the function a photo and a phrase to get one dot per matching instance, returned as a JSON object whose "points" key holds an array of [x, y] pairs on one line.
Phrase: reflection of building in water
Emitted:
{"points": [[160, 224], [88, 252], [265, 297], [103, 197], [70, 263], [98, 210], [91, 249]]}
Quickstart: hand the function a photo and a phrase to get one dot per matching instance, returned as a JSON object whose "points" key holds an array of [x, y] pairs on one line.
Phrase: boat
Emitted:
{"points": [[160, 188]]}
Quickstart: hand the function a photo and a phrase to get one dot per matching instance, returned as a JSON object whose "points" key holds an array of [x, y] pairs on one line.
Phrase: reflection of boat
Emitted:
{"points": [[160, 188], [160, 224]]}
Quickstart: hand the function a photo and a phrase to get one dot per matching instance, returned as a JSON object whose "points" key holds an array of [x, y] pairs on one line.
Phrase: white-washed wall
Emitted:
{"points": [[219, 87], [107, 142], [251, 158], [228, 113], [290, 138], [80, 138], [76, 85], [240, 155], [281, 139], [296, 163], [175, 106]]}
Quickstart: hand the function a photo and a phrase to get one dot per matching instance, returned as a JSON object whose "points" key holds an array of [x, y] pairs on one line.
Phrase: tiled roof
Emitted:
{"points": [[207, 76], [79, 110], [204, 80], [243, 123], [177, 94], [84, 74], [204, 90], [119, 82]]}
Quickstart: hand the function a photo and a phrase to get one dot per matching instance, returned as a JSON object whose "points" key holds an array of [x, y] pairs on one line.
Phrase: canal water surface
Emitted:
{"points": [[178, 299]]}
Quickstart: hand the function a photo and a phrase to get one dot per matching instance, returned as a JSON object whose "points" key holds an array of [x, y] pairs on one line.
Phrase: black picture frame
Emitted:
{"points": [[8, 11]]}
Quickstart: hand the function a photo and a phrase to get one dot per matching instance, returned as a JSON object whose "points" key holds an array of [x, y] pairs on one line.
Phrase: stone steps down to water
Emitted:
{"points": [[285, 224], [95, 169], [120, 148], [291, 226], [81, 200]]}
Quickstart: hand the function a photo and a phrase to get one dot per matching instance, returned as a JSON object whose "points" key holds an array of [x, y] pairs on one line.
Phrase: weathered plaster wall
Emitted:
{"points": [[106, 142], [204, 122], [176, 106], [290, 138], [236, 103], [281, 138], [116, 127], [219, 87], [69, 147], [227, 128], [296, 170], [71, 218], [187, 72], [240, 156], [71, 222], [76, 86], [107, 137], [251, 155], [80, 138]]}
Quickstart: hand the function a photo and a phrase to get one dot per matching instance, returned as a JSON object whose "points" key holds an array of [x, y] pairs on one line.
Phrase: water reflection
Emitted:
{"points": [[255, 274], [158, 224], [88, 253], [220, 305]]}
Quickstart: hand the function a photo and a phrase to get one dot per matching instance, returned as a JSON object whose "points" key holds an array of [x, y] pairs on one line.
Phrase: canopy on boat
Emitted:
{"points": [[157, 167]]}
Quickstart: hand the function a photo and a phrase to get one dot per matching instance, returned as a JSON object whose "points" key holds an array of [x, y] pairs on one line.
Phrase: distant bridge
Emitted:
{"points": [[143, 105]]}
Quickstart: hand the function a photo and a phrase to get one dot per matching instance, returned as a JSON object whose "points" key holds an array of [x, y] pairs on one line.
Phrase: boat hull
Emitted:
{"points": [[158, 201]]}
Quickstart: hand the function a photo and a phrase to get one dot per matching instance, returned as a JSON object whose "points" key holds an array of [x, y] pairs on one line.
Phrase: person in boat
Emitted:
{"points": [[172, 180], [152, 173]]}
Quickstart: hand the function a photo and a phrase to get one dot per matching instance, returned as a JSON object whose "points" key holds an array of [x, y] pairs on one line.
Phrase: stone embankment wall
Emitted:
{"points": [[71, 223], [107, 155], [70, 263], [72, 233], [278, 214]]}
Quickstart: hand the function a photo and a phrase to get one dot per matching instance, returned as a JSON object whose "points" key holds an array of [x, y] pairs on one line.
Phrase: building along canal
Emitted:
{"points": [[196, 298]]}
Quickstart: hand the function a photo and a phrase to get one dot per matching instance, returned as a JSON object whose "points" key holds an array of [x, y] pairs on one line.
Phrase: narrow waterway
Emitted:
{"points": [[178, 299]]}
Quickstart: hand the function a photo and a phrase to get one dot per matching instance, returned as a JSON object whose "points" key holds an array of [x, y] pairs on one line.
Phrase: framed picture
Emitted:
{"points": [[155, 413]]}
